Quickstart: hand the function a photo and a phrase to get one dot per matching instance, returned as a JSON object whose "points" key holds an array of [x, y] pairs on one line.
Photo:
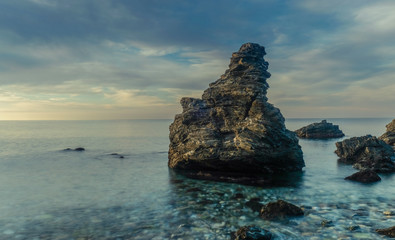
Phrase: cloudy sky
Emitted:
{"points": [[134, 59]]}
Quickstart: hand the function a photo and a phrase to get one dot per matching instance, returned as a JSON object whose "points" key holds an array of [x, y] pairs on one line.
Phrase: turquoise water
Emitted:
{"points": [[47, 193]]}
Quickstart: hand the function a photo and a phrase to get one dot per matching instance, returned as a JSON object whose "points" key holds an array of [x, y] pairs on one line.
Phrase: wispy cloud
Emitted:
{"points": [[136, 59]]}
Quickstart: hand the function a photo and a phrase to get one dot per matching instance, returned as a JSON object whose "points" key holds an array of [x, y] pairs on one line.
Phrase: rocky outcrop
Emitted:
{"points": [[280, 210], [364, 176], [233, 128], [320, 130], [367, 152], [251, 233], [389, 232], [389, 135]]}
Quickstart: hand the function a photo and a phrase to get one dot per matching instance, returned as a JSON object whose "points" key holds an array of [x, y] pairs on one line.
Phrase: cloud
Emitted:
{"points": [[137, 56]]}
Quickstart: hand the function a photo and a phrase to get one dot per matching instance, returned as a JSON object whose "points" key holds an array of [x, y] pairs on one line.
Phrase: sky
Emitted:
{"points": [[135, 59]]}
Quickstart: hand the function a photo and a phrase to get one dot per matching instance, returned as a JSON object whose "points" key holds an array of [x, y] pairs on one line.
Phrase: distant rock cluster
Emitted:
{"points": [[320, 130], [233, 128]]}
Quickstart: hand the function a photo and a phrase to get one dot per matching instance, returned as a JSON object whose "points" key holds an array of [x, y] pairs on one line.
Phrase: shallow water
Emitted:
{"points": [[47, 193]]}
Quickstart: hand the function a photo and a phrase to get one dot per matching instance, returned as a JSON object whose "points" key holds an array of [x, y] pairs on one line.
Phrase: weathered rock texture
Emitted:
{"points": [[321, 130], [389, 136], [233, 128], [280, 210], [364, 176], [367, 152]]}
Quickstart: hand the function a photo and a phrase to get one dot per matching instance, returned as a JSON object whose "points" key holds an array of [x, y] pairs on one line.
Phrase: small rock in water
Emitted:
{"points": [[353, 228], [117, 155], [389, 232], [251, 233], [280, 210], [321, 130], [326, 223], [364, 176], [79, 149]]}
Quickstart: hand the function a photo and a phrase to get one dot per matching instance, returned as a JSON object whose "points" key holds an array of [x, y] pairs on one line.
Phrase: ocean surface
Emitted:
{"points": [[121, 188]]}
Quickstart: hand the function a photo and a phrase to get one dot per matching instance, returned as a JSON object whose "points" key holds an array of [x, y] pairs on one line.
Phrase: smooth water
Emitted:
{"points": [[48, 193]]}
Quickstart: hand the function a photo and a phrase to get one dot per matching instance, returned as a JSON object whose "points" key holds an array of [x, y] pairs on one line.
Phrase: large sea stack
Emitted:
{"points": [[233, 129]]}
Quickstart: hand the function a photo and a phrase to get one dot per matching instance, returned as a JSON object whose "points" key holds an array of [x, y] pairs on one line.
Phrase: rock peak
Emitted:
{"points": [[252, 48]]}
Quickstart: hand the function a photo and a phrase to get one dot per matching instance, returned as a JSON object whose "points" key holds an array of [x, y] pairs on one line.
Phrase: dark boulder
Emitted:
{"points": [[251, 233], [364, 176], [233, 129], [389, 232], [366, 152], [389, 135], [280, 210], [320, 130]]}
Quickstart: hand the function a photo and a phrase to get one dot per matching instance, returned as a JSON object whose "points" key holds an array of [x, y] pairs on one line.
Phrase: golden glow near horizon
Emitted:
{"points": [[327, 58]]}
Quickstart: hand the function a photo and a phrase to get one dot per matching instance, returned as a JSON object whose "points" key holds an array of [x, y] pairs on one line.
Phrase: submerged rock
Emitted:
{"points": [[327, 223], [233, 129], [320, 130], [389, 135], [251, 233], [280, 210], [389, 232], [366, 152], [254, 204], [117, 155], [364, 176]]}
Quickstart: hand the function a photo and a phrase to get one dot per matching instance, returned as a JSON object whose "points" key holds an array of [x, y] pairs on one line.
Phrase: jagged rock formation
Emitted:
{"points": [[367, 152], [321, 130], [233, 128], [389, 136], [364, 176]]}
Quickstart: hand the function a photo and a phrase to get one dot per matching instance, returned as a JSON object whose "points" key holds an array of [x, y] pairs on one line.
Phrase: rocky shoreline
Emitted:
{"points": [[232, 134]]}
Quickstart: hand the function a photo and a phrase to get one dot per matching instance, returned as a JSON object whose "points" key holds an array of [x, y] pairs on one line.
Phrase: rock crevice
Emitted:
{"points": [[233, 128]]}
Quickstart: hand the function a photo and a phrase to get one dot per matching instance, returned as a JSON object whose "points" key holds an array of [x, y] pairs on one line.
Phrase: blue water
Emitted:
{"points": [[47, 193]]}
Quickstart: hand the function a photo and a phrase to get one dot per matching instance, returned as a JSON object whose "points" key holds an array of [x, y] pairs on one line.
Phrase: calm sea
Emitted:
{"points": [[48, 193]]}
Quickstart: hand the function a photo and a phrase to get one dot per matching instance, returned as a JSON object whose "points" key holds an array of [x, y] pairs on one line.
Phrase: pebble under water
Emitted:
{"points": [[48, 193]]}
